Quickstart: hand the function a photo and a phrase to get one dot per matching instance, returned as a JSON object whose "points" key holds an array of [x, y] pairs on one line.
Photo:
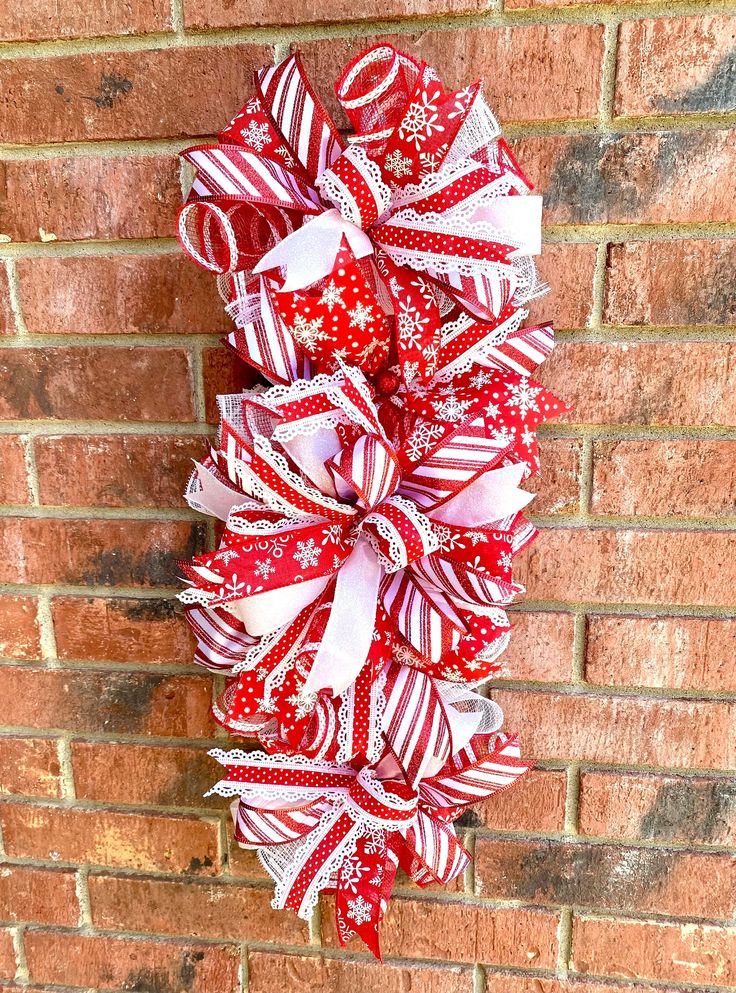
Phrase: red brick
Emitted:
{"points": [[142, 94], [121, 629], [567, 268], [95, 552], [668, 176], [13, 473], [40, 896], [645, 383], [67, 19], [243, 862], [208, 910], [19, 632], [165, 775], [119, 294], [609, 566], [663, 478], [7, 954], [315, 974], [537, 72], [688, 809], [7, 317], [104, 837], [558, 485], [672, 652], [120, 384], [670, 283], [223, 372], [687, 953], [541, 647], [107, 701], [649, 880], [462, 932], [116, 470], [88, 196], [29, 767], [127, 963], [536, 803], [627, 730], [250, 13], [674, 65], [499, 982]]}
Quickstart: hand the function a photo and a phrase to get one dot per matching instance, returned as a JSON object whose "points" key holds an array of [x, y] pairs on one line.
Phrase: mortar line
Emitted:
{"points": [[81, 884], [21, 963], [608, 78], [29, 460], [564, 942], [572, 799], [68, 789], [176, 12]]}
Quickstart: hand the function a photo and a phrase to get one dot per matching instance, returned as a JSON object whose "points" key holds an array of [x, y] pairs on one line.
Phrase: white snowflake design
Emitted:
{"points": [[410, 324], [493, 410], [422, 439], [359, 910], [527, 437], [480, 379], [232, 588], [476, 536], [226, 555], [523, 396], [504, 560], [307, 333], [452, 674], [264, 568], [352, 872], [307, 553], [420, 120], [451, 409], [303, 703], [332, 295], [361, 316], [257, 135], [397, 164]]}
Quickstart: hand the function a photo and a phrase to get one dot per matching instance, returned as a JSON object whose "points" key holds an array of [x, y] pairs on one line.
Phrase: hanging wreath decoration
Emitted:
{"points": [[369, 489]]}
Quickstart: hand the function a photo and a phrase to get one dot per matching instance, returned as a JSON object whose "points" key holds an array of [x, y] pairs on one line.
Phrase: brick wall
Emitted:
{"points": [[611, 867]]}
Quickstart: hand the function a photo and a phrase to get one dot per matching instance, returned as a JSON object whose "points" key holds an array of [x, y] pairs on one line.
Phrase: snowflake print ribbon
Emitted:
{"points": [[368, 486]]}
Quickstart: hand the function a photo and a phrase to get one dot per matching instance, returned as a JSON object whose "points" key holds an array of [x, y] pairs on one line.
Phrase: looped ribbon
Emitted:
{"points": [[424, 190], [319, 826]]}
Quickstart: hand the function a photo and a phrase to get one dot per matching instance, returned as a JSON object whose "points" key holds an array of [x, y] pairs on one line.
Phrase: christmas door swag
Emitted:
{"points": [[370, 493]]}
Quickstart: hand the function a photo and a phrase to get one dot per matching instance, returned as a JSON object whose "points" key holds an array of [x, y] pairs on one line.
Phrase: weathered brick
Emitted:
{"points": [[663, 478], [73, 198], [223, 372], [537, 803], [107, 701], [567, 268], [119, 294], [672, 652], [645, 383], [7, 317], [29, 767], [316, 974], [558, 485], [162, 775], [627, 730], [667, 176], [14, 486], [127, 963], [142, 94], [19, 632], [95, 552], [7, 955], [610, 566], [620, 878], [39, 896], [208, 910], [536, 72], [540, 648], [247, 13], [104, 837], [687, 953], [500, 982], [116, 470], [462, 932], [119, 384], [53, 19], [690, 809], [121, 629], [675, 65], [670, 283]]}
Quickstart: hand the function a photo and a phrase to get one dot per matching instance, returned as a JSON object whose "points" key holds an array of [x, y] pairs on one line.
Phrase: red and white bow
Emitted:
{"points": [[319, 827], [422, 205]]}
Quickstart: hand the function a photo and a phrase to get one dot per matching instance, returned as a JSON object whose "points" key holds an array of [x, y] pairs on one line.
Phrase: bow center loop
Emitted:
{"points": [[355, 186], [399, 533], [368, 468], [385, 803]]}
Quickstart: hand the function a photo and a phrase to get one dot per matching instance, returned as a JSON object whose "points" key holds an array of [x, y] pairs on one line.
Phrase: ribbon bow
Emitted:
{"points": [[324, 827], [425, 190]]}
